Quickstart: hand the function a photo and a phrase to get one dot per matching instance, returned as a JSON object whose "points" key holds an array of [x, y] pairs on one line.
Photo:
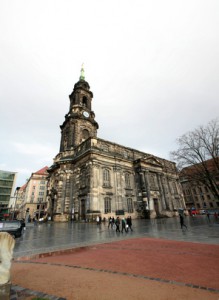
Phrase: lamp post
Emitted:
{"points": [[16, 196]]}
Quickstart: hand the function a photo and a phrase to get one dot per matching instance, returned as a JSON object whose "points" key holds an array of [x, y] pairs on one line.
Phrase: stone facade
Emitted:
{"points": [[91, 176]]}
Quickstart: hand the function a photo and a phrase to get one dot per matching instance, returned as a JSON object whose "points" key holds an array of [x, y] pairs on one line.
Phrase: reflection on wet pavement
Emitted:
{"points": [[55, 236]]}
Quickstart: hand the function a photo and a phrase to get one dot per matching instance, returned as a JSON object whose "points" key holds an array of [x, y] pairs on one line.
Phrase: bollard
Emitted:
{"points": [[5, 291], [7, 243]]}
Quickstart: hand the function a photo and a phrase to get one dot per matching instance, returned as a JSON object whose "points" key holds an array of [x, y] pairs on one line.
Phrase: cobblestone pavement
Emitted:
{"points": [[49, 237], [19, 293]]}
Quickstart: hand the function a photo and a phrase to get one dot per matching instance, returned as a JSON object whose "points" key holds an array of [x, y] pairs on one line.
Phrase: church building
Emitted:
{"points": [[93, 177]]}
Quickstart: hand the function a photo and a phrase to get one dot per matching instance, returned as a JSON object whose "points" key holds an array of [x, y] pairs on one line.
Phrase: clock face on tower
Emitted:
{"points": [[85, 114]]}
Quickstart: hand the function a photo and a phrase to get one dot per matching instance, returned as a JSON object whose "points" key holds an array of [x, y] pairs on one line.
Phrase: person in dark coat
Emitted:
{"points": [[124, 225], [110, 222], [129, 222], [208, 216], [182, 224], [117, 222], [113, 223]]}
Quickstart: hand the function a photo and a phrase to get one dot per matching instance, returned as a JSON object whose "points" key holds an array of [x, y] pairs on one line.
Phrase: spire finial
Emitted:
{"points": [[82, 77]]}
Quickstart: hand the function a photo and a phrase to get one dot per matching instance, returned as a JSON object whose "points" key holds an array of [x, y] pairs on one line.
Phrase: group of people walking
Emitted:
{"points": [[120, 225]]}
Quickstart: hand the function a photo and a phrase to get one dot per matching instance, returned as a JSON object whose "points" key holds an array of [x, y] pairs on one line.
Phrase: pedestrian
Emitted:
{"points": [[98, 220], [113, 223], [129, 222], [117, 222], [208, 216], [182, 221], [110, 222], [124, 225]]}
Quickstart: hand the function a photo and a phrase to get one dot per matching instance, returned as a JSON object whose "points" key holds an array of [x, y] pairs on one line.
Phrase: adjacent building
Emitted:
{"points": [[32, 198], [197, 190], [20, 204], [91, 176], [7, 186]]}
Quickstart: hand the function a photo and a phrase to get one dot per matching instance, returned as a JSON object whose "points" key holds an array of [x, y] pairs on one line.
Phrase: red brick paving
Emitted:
{"points": [[186, 262], [181, 262]]}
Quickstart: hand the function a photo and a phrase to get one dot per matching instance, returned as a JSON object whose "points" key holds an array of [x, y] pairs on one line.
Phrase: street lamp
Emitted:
{"points": [[16, 196]]}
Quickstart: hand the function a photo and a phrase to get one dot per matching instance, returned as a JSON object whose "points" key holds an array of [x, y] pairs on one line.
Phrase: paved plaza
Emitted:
{"points": [[54, 236], [157, 260]]}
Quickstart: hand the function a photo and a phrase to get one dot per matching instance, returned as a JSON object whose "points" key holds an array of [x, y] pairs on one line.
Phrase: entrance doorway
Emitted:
{"points": [[83, 217]]}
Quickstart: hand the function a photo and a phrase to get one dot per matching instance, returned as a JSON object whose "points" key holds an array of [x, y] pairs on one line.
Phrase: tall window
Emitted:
{"points": [[84, 101], [85, 134], [129, 205], [107, 205], [83, 179], [106, 178], [127, 180], [152, 180]]}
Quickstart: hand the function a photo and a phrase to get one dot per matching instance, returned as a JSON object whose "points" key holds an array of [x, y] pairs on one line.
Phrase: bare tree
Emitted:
{"points": [[198, 155]]}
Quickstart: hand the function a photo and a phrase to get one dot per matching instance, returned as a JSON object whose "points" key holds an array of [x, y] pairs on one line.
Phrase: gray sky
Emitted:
{"points": [[153, 67]]}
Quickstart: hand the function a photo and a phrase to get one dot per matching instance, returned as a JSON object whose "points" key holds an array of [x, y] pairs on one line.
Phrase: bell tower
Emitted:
{"points": [[80, 122]]}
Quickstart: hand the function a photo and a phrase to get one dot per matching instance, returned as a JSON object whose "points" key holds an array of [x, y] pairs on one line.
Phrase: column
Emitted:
{"points": [[162, 193], [148, 188]]}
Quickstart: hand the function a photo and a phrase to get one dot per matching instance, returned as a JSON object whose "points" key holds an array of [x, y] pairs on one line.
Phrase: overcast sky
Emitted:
{"points": [[153, 67]]}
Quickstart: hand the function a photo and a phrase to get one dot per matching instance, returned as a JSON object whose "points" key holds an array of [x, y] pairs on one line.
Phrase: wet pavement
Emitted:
{"points": [[48, 237]]}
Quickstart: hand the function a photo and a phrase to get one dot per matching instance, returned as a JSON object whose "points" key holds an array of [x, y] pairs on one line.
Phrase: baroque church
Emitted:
{"points": [[91, 176]]}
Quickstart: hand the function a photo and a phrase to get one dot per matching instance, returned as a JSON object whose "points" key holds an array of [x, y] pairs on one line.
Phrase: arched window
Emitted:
{"points": [[106, 178], [127, 180], [107, 205], [85, 134], [129, 205], [84, 101]]}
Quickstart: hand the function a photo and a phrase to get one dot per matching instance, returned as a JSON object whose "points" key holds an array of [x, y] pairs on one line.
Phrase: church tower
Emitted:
{"points": [[80, 122]]}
